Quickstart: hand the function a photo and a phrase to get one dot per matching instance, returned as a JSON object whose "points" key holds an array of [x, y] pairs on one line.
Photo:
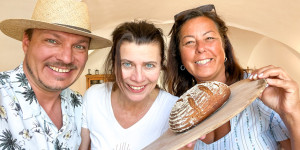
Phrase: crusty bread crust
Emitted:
{"points": [[197, 104]]}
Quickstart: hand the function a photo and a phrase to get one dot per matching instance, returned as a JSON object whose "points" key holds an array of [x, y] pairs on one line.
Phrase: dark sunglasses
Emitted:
{"points": [[203, 8]]}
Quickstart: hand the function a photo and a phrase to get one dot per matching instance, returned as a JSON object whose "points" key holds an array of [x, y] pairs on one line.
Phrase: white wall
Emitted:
{"points": [[255, 50], [270, 52], [11, 53], [243, 43]]}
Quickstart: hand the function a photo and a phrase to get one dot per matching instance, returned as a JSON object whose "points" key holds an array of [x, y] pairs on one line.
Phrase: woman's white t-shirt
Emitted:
{"points": [[106, 132]]}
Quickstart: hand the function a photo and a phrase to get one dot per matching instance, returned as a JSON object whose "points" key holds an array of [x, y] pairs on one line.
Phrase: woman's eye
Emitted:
{"points": [[149, 66], [51, 41], [127, 65], [210, 38], [188, 42]]}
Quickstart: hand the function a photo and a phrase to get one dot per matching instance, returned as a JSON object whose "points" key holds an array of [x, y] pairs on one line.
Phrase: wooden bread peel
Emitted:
{"points": [[243, 93]]}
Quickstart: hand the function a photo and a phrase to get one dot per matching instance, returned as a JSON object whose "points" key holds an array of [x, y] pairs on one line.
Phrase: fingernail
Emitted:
{"points": [[261, 75], [255, 77], [251, 76]]}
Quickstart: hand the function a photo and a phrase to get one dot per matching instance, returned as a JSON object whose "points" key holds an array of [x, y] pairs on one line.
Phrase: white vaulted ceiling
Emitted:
{"points": [[277, 19]]}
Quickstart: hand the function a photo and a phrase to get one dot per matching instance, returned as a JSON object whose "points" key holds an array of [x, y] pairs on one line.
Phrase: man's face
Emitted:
{"points": [[54, 59]]}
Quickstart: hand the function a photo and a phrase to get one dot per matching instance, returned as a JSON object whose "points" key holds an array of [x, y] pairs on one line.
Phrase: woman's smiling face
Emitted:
{"points": [[201, 49], [140, 65]]}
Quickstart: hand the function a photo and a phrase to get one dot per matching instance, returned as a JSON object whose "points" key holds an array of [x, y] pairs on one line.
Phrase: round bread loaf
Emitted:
{"points": [[197, 104]]}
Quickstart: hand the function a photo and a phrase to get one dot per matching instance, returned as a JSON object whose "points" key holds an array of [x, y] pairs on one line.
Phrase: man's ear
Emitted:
{"points": [[25, 42]]}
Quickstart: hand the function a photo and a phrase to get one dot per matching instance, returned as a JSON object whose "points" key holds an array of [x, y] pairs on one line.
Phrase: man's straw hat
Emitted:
{"points": [[60, 15]]}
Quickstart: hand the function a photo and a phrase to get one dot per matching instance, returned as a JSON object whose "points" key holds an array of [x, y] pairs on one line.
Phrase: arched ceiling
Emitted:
{"points": [[276, 19]]}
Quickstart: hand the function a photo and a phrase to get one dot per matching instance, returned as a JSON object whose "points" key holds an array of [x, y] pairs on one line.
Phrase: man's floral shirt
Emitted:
{"points": [[25, 125]]}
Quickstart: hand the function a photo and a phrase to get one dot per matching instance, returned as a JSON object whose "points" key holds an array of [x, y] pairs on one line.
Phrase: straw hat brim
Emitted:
{"points": [[15, 28]]}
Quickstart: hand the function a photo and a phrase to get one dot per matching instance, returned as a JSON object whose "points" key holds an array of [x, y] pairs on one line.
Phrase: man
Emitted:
{"points": [[37, 110]]}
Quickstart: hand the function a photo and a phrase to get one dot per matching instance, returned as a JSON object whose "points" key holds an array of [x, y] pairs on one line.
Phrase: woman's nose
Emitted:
{"points": [[200, 47], [138, 74]]}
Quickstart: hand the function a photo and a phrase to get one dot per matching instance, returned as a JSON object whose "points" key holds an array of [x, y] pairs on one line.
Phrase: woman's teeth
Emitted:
{"points": [[137, 88], [202, 62]]}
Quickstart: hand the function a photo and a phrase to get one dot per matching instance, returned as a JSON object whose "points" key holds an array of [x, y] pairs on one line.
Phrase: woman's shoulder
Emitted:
{"points": [[98, 90], [166, 95], [99, 87]]}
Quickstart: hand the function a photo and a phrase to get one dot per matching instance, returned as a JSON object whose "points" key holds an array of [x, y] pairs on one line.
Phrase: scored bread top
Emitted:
{"points": [[196, 104]]}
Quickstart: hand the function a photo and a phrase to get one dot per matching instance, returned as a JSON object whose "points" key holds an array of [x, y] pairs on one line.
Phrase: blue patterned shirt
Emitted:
{"points": [[25, 125], [257, 127]]}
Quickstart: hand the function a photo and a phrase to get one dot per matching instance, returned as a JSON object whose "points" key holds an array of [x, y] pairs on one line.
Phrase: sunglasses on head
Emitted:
{"points": [[203, 8]]}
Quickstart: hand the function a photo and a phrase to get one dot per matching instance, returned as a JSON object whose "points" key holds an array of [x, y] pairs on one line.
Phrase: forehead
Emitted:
{"points": [[198, 25], [133, 51]]}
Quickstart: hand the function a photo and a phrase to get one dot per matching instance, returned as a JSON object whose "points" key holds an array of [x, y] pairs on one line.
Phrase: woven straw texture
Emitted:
{"points": [[61, 15]]}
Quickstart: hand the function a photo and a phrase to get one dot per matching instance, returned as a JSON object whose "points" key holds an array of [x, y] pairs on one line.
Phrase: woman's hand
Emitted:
{"points": [[282, 93]]}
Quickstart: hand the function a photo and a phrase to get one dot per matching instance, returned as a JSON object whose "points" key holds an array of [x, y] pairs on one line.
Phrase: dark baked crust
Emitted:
{"points": [[197, 104]]}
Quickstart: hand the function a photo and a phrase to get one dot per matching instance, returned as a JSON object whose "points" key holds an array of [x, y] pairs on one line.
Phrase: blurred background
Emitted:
{"points": [[262, 32]]}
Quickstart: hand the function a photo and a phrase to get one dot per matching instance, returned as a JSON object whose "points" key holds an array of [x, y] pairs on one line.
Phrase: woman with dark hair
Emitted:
{"points": [[133, 111], [200, 50]]}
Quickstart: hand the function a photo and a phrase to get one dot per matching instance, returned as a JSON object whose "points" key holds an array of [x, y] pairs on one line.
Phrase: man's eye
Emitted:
{"points": [[149, 66], [79, 47], [51, 41]]}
